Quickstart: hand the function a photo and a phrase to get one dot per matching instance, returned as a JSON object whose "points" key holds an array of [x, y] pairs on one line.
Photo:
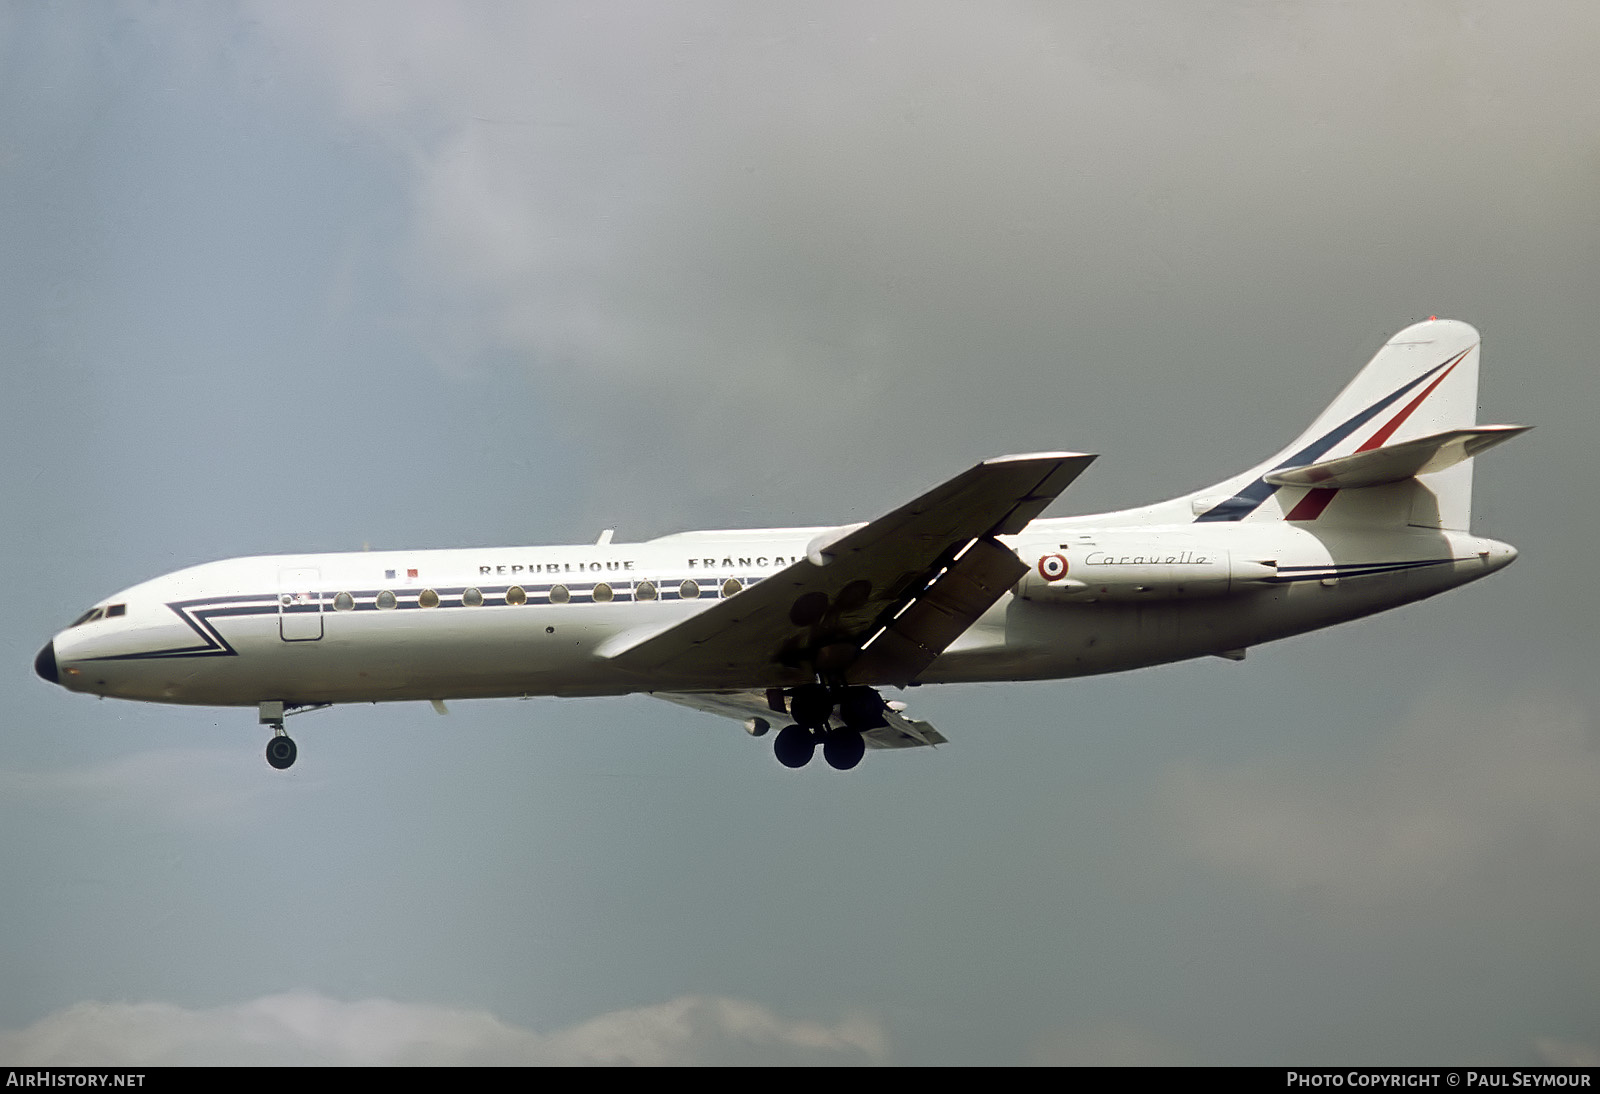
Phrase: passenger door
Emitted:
{"points": [[299, 605]]}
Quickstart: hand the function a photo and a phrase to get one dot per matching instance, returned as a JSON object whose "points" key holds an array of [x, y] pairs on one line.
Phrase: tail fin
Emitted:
{"points": [[1422, 385]]}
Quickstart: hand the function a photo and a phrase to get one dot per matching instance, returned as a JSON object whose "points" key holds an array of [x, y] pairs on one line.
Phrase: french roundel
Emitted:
{"points": [[1052, 567]]}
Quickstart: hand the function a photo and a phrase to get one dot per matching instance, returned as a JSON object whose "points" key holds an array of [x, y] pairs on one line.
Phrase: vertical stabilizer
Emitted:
{"points": [[1423, 381]]}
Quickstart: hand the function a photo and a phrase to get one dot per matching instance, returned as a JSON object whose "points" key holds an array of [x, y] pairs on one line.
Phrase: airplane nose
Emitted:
{"points": [[45, 663]]}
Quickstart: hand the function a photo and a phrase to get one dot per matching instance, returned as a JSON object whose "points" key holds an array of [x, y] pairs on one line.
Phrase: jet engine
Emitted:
{"points": [[1137, 566]]}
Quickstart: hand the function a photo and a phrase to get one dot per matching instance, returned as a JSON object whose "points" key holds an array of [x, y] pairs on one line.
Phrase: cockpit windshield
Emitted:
{"points": [[106, 611]]}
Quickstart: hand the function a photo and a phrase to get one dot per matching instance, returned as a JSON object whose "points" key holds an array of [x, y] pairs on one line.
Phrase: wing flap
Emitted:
{"points": [[935, 617], [1397, 462], [902, 732]]}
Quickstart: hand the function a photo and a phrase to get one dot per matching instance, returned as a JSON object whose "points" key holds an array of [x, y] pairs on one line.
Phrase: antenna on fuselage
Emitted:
{"points": [[605, 537]]}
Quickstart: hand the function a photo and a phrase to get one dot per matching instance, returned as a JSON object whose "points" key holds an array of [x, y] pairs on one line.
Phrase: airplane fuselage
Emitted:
{"points": [[522, 621]]}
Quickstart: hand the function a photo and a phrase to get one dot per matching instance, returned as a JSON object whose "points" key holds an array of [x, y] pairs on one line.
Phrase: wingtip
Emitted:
{"points": [[1023, 457]]}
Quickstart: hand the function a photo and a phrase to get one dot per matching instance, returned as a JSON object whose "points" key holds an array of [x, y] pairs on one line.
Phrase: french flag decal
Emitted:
{"points": [[390, 574]]}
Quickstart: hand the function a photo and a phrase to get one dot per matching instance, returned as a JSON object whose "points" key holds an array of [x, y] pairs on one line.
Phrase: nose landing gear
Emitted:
{"points": [[281, 749]]}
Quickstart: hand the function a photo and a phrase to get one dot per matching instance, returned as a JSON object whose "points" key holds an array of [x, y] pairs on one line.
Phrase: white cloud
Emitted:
{"points": [[1493, 803], [307, 1028]]}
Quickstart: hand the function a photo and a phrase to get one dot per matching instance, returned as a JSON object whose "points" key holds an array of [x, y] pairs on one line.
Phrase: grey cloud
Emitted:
{"points": [[1490, 808], [820, 232]]}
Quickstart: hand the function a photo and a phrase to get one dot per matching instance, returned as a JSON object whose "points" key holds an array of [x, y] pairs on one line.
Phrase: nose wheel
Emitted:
{"points": [[281, 750]]}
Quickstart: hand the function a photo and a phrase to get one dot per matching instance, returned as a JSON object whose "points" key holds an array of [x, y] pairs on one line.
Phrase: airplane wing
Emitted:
{"points": [[872, 603], [751, 708]]}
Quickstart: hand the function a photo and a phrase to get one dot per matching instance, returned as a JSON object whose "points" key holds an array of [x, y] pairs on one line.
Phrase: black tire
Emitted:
{"points": [[794, 746], [844, 750], [861, 708], [281, 752], [811, 706]]}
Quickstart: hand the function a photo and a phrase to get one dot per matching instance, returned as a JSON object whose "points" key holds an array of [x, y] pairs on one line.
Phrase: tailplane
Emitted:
{"points": [[1395, 447]]}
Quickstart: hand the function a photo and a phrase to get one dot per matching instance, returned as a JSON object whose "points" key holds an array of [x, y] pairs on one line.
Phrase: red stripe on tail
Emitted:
{"points": [[1394, 423], [1311, 506]]}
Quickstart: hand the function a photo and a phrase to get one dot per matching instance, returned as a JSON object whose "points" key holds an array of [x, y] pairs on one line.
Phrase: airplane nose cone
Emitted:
{"points": [[45, 663]]}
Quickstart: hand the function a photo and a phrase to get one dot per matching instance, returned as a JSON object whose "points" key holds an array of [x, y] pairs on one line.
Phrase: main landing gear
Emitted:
{"points": [[813, 707]]}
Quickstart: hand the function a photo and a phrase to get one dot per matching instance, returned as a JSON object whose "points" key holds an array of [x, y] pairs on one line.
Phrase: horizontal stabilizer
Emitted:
{"points": [[1396, 462]]}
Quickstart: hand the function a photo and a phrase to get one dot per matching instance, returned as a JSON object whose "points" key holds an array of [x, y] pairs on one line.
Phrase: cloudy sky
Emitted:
{"points": [[308, 277]]}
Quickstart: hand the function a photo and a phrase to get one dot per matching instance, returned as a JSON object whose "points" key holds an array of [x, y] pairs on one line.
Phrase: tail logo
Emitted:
{"points": [[1311, 506], [1053, 567], [1249, 499]]}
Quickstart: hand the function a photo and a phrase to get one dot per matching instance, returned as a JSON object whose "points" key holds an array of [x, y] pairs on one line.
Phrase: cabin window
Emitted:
{"points": [[472, 598], [688, 590], [385, 599], [343, 602], [644, 591], [427, 599], [602, 593], [559, 594], [731, 586], [516, 595]]}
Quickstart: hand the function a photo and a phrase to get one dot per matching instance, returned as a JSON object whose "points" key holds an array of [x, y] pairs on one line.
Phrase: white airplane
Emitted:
{"points": [[801, 627]]}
